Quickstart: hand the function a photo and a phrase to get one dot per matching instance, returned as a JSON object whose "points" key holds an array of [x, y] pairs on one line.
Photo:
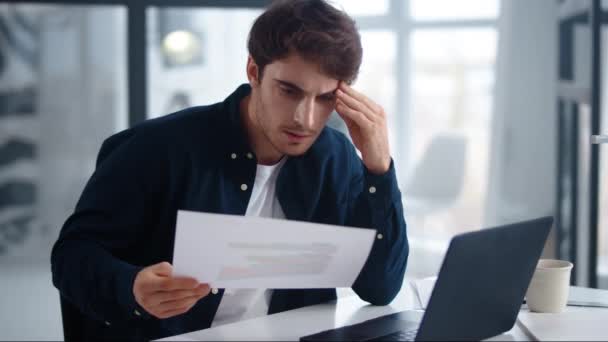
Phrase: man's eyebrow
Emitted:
{"points": [[331, 93], [288, 84]]}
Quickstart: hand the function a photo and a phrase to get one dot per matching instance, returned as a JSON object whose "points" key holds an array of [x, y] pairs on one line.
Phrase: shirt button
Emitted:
{"points": [[379, 236], [249, 155], [214, 291], [137, 313], [107, 323], [372, 189], [233, 156], [244, 187]]}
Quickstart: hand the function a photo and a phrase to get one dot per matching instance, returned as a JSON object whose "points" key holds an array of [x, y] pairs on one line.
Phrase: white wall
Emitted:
{"points": [[523, 151]]}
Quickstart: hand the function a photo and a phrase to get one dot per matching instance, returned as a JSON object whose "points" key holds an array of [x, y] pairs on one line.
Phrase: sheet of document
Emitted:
{"points": [[251, 252], [424, 288]]}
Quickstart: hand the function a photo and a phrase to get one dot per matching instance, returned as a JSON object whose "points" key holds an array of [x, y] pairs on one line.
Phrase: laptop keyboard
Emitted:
{"points": [[401, 335]]}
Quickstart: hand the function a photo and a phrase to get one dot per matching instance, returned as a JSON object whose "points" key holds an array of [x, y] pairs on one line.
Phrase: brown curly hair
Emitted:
{"points": [[315, 30]]}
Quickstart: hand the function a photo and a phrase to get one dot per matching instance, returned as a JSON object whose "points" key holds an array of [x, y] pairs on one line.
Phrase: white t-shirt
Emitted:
{"points": [[239, 304]]}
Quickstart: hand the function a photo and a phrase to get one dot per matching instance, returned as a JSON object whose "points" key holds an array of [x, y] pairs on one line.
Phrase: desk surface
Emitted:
{"points": [[291, 325]]}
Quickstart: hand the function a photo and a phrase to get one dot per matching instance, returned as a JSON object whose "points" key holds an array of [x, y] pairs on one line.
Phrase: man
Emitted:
{"points": [[264, 151]]}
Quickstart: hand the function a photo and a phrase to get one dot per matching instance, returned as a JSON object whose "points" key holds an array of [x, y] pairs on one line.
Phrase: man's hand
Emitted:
{"points": [[366, 122], [164, 296]]}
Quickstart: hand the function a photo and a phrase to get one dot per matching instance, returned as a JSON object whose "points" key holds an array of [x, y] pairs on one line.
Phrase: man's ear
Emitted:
{"points": [[253, 72]]}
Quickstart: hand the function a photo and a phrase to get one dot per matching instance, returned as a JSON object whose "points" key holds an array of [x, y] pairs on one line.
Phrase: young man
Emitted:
{"points": [[264, 151]]}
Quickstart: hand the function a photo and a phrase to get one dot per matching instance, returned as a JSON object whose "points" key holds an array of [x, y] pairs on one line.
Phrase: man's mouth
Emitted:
{"points": [[295, 136]]}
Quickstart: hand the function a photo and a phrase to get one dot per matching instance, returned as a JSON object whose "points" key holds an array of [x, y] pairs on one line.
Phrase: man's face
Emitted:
{"points": [[291, 103]]}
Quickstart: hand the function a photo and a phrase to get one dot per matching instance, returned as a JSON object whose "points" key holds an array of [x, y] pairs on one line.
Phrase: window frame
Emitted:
{"points": [[137, 63]]}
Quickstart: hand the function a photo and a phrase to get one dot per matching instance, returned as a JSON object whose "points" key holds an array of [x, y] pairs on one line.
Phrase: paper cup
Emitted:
{"points": [[550, 285]]}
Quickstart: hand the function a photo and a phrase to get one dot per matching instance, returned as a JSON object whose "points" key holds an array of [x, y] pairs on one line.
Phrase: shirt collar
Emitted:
{"points": [[237, 139]]}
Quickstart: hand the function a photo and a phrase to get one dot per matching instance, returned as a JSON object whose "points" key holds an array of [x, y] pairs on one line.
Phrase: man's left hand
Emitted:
{"points": [[366, 122]]}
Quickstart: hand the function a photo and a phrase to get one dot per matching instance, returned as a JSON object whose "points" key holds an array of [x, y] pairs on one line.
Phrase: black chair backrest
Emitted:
{"points": [[73, 321]]}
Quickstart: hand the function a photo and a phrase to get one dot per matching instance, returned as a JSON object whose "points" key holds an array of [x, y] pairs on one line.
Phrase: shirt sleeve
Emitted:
{"points": [[108, 220], [375, 202]]}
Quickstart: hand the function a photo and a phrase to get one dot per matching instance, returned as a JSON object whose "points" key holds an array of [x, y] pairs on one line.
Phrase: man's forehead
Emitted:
{"points": [[312, 87], [303, 74]]}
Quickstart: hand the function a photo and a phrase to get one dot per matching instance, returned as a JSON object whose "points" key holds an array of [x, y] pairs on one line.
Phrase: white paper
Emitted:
{"points": [[576, 324], [229, 251], [424, 288]]}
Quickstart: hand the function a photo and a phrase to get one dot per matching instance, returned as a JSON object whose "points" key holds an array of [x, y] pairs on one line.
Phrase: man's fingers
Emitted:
{"points": [[349, 122], [355, 104], [163, 297], [360, 97], [177, 304], [154, 283], [173, 312], [158, 292], [357, 117], [162, 269], [172, 284]]}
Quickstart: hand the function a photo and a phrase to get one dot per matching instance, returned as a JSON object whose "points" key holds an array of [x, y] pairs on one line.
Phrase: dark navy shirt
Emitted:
{"points": [[198, 159]]}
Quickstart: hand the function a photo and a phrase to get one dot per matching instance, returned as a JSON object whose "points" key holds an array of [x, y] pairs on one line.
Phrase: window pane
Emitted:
{"points": [[362, 8], [196, 56], [454, 10], [377, 76], [62, 91], [452, 81]]}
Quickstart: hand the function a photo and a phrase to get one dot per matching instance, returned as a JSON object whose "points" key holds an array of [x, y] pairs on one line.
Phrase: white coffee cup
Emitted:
{"points": [[550, 285]]}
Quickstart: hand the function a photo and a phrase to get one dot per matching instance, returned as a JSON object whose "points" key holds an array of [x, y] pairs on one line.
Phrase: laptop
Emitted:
{"points": [[478, 294]]}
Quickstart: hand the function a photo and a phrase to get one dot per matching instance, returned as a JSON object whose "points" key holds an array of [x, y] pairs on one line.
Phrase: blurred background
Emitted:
{"points": [[491, 106]]}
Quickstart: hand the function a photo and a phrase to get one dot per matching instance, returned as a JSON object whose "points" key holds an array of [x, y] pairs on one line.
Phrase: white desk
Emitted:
{"points": [[291, 325]]}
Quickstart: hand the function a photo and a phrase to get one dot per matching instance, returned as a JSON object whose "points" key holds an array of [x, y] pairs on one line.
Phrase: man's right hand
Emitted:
{"points": [[164, 296]]}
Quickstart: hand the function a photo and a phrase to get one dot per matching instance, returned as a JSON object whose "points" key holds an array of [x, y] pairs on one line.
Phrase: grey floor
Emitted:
{"points": [[29, 304]]}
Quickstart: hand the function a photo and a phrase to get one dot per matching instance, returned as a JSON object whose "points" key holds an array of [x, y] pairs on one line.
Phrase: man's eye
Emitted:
{"points": [[328, 98], [287, 91]]}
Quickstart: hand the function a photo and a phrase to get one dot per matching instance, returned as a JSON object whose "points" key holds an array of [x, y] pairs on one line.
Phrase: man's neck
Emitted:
{"points": [[265, 152]]}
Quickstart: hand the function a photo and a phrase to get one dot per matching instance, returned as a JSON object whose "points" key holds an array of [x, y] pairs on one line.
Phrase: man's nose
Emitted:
{"points": [[305, 113]]}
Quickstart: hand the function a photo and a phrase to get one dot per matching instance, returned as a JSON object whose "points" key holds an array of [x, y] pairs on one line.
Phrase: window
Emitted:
{"points": [[209, 55], [377, 78], [453, 10], [363, 8], [452, 79], [63, 90], [430, 63]]}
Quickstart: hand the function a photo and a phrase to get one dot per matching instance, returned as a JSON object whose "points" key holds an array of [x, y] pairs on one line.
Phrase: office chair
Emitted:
{"points": [[72, 320], [437, 180]]}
